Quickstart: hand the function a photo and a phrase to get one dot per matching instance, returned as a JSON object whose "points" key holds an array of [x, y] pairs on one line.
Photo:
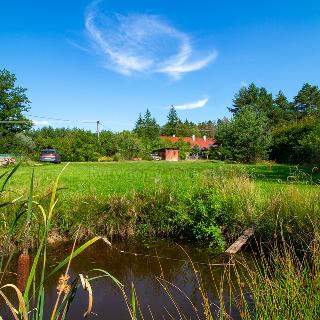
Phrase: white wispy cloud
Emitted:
{"points": [[141, 43], [40, 123], [192, 105]]}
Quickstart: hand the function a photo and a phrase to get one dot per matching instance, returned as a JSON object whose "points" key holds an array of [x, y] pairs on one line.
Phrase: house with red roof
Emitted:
{"points": [[203, 143]]}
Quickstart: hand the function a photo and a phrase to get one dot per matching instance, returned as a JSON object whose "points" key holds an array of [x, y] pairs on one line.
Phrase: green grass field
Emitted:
{"points": [[210, 201], [122, 177]]}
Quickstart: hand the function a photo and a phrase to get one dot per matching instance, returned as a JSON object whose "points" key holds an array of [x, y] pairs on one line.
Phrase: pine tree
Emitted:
{"points": [[147, 127], [258, 99], [307, 101], [173, 123], [138, 125], [244, 98], [283, 108]]}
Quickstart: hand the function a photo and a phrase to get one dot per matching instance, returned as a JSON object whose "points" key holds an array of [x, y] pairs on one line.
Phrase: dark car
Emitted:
{"points": [[50, 155]]}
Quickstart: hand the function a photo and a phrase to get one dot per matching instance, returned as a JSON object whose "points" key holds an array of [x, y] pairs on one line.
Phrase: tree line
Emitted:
{"points": [[262, 126], [267, 127]]}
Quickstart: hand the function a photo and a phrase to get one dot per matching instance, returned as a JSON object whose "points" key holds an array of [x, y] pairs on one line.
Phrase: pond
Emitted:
{"points": [[144, 266]]}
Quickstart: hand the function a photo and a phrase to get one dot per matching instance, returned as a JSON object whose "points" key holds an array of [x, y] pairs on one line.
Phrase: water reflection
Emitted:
{"points": [[134, 263]]}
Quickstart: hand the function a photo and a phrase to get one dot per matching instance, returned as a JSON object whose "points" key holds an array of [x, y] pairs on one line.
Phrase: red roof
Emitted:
{"points": [[203, 143]]}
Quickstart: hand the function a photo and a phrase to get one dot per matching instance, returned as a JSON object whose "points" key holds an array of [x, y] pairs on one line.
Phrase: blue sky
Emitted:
{"points": [[109, 60]]}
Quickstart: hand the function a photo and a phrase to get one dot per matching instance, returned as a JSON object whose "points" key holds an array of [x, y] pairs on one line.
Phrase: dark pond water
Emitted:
{"points": [[137, 264]]}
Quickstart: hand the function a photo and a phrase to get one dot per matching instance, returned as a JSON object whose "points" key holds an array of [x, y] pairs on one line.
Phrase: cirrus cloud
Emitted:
{"points": [[40, 123], [192, 105], [141, 43]]}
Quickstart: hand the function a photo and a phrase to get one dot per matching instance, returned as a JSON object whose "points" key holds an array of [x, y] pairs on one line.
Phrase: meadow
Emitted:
{"points": [[210, 202], [103, 179]]}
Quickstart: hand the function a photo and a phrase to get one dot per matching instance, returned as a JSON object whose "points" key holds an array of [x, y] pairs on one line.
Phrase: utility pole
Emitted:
{"points": [[98, 130]]}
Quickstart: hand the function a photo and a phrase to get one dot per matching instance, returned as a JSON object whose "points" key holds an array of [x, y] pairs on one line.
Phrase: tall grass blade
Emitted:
{"points": [[22, 304], [108, 275], [72, 256], [33, 270], [41, 297], [133, 301], [9, 176], [54, 191]]}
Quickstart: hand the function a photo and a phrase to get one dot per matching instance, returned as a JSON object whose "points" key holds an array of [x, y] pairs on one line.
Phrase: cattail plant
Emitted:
{"points": [[23, 271], [24, 258]]}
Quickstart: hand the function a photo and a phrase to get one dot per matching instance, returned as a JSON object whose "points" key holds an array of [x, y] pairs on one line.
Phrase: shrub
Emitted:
{"points": [[117, 157], [105, 159], [246, 136], [292, 141]]}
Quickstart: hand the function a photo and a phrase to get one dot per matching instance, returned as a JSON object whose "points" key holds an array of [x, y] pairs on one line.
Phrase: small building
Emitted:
{"points": [[168, 154], [203, 144]]}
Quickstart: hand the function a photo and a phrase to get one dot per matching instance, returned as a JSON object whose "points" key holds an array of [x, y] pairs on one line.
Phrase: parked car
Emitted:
{"points": [[50, 155], [155, 156]]}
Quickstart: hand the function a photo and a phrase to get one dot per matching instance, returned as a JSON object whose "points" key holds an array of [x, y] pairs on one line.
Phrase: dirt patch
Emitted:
{"points": [[55, 238]]}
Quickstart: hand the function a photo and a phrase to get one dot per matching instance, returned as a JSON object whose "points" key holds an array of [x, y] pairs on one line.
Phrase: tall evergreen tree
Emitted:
{"points": [[187, 129], [256, 98], [173, 123], [247, 96], [307, 101], [207, 128], [283, 108], [139, 126], [147, 127]]}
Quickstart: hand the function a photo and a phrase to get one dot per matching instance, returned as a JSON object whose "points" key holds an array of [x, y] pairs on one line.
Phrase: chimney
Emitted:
{"points": [[193, 137], [204, 138]]}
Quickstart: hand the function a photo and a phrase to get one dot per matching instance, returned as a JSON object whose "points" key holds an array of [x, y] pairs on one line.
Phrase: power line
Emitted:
{"points": [[64, 120], [176, 128], [99, 123], [47, 118]]}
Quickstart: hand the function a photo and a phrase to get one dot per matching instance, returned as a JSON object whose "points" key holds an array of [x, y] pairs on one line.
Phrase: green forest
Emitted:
{"points": [[262, 126]]}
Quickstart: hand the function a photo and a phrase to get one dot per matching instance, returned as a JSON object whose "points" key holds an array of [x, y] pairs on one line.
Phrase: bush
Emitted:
{"points": [[292, 140], [105, 159], [246, 136], [206, 213], [117, 157]]}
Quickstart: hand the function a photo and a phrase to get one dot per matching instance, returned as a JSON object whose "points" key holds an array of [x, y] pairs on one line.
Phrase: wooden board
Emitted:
{"points": [[242, 240]]}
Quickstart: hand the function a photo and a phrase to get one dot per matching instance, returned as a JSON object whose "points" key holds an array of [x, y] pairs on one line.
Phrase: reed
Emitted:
{"points": [[29, 290], [282, 285]]}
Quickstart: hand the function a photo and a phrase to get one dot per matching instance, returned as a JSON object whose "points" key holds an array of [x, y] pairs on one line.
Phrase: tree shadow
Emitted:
{"points": [[284, 173]]}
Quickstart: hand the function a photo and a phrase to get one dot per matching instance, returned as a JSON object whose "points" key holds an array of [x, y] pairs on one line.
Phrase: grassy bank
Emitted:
{"points": [[204, 201]]}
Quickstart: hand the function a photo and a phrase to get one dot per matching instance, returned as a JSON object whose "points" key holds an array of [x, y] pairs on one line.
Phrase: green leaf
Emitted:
{"points": [[9, 176], [72, 255]]}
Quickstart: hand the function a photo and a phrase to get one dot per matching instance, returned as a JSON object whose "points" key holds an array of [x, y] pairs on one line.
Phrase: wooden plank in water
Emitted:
{"points": [[242, 240]]}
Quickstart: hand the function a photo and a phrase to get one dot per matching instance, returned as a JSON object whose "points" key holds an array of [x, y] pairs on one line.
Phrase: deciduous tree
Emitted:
{"points": [[246, 136], [13, 103]]}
